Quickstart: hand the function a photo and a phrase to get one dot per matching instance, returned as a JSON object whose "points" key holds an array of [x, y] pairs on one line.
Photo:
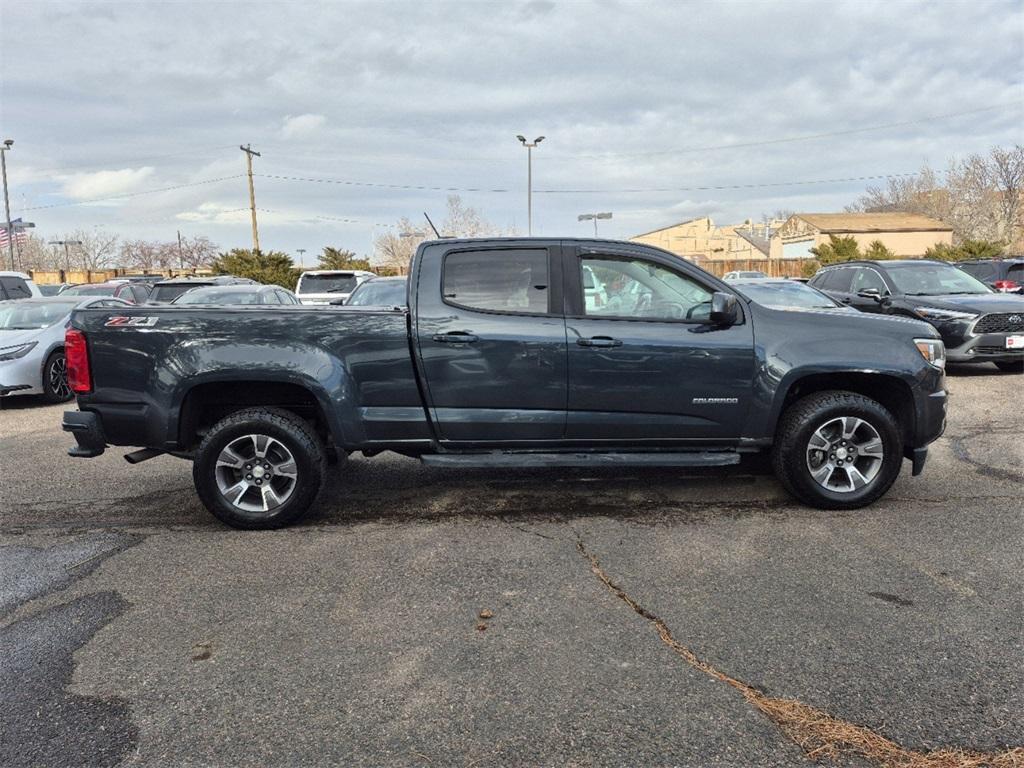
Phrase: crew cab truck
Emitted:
{"points": [[499, 361]]}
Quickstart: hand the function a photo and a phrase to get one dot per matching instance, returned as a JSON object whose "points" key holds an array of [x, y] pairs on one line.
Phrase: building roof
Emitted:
{"points": [[668, 226], [757, 238], [896, 221]]}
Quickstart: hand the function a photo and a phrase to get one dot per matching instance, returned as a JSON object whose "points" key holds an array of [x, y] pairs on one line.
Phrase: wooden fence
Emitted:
{"points": [[75, 276], [771, 267]]}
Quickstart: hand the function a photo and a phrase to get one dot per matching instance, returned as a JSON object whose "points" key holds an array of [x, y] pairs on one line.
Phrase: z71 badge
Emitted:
{"points": [[134, 322]]}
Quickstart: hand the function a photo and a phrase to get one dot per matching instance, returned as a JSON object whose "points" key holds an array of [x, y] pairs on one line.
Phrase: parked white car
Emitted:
{"points": [[322, 286], [17, 285], [32, 344], [751, 274]]}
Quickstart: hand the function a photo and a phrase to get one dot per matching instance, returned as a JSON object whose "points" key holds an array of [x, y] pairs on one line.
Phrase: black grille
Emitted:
{"points": [[1004, 322], [983, 350]]}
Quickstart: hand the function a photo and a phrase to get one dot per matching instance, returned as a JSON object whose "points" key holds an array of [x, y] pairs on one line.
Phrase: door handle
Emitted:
{"points": [[599, 341], [846, 300], [455, 337]]}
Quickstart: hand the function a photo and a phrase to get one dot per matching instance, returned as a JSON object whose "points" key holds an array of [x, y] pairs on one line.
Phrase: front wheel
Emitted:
{"points": [[259, 468], [55, 378], [837, 450]]}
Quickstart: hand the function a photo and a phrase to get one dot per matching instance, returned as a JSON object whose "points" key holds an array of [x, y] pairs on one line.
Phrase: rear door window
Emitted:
{"points": [[497, 281], [15, 288], [838, 280]]}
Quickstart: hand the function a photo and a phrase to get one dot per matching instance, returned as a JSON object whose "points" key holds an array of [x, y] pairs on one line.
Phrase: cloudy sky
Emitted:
{"points": [[364, 113]]}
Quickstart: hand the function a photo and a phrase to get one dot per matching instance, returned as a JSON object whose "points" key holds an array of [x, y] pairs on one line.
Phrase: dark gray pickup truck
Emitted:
{"points": [[511, 353]]}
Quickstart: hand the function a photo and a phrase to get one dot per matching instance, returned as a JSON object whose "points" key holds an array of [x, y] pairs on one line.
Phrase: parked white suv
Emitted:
{"points": [[17, 285], [322, 286]]}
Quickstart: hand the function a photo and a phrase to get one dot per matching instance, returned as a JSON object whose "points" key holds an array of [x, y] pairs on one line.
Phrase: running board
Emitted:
{"points": [[533, 460]]}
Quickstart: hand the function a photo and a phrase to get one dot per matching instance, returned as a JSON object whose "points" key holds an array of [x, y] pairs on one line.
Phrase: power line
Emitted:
{"points": [[347, 182], [134, 194], [714, 187], [767, 142]]}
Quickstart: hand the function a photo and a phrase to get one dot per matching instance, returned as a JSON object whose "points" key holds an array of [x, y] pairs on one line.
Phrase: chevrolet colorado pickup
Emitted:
{"points": [[501, 359]]}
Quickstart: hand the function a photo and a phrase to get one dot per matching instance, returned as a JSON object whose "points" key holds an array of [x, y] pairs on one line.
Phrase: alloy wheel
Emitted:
{"points": [[845, 454], [256, 473]]}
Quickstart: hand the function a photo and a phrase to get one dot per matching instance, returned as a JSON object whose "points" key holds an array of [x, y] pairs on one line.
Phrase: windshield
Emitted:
{"points": [[792, 295], [214, 296], [167, 293], [90, 290], [49, 290], [933, 280], [378, 293], [25, 317], [337, 282]]}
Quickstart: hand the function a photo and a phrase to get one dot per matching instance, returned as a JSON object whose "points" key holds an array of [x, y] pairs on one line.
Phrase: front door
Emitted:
{"points": [[492, 343], [645, 364]]}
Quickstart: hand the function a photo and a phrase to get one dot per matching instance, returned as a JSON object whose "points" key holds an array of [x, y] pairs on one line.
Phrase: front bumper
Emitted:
{"points": [[23, 376], [986, 348], [87, 427]]}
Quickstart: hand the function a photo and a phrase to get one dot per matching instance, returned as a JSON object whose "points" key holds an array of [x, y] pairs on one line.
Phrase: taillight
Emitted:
{"points": [[76, 353], [1006, 285]]}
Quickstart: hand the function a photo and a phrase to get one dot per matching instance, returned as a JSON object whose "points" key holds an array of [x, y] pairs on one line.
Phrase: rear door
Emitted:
{"points": [[836, 283], [646, 365], [491, 339]]}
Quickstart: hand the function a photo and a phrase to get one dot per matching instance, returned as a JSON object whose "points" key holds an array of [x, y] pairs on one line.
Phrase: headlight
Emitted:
{"points": [[13, 353], [935, 313], [932, 350]]}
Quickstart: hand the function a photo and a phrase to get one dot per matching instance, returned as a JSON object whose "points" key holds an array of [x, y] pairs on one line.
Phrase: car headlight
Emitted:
{"points": [[13, 353], [932, 350], [935, 313]]}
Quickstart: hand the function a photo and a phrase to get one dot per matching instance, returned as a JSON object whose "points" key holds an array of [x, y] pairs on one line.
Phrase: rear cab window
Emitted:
{"points": [[512, 281], [15, 288]]}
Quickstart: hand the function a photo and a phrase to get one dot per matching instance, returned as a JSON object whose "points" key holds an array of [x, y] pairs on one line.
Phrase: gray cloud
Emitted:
{"points": [[432, 94]]}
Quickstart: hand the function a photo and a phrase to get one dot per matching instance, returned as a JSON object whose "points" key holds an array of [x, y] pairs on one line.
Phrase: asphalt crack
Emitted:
{"points": [[816, 732]]}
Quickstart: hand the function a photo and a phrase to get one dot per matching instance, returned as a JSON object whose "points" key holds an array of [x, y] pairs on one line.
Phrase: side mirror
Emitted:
{"points": [[870, 293], [724, 309]]}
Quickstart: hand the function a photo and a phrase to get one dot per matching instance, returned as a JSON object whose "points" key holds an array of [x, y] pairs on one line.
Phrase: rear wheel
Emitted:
{"points": [[55, 378], [837, 450], [259, 468], [1011, 366]]}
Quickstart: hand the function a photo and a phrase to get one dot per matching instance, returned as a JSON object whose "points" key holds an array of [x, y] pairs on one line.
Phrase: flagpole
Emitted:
{"points": [[8, 143]]}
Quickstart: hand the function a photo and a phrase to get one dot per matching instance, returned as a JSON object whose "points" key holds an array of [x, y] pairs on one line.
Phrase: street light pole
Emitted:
{"points": [[67, 253], [529, 178], [8, 143], [594, 217]]}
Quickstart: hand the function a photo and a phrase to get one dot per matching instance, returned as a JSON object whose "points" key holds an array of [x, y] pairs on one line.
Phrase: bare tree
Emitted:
{"points": [[395, 247], [921, 193], [197, 251]]}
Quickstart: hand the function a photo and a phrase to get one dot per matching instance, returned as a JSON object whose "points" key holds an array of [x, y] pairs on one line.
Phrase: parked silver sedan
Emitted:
{"points": [[32, 344]]}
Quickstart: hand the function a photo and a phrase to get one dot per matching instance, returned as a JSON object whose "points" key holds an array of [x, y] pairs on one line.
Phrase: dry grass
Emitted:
{"points": [[818, 733]]}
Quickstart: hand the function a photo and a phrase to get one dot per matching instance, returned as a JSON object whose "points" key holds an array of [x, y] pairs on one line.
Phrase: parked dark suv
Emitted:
{"points": [[167, 291], [1005, 275], [977, 325]]}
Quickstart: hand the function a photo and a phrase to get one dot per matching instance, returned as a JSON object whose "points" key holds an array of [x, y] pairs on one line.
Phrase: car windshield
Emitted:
{"points": [[218, 296], [166, 293], [49, 290], [16, 316], [338, 282], [90, 290], [378, 293], [788, 295], [933, 280]]}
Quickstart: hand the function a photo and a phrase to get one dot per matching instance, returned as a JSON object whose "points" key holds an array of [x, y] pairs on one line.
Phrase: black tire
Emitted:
{"points": [[288, 430], [1011, 366], [55, 378], [792, 440]]}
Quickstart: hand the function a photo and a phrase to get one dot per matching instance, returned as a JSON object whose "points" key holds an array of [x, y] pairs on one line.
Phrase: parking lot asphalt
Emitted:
{"points": [[598, 618]]}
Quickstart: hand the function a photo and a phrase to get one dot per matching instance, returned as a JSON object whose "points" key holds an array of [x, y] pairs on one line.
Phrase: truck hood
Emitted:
{"points": [[982, 303], [868, 322]]}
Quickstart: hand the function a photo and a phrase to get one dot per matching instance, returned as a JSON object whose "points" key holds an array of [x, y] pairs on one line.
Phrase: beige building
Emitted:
{"points": [[701, 239], [906, 234]]}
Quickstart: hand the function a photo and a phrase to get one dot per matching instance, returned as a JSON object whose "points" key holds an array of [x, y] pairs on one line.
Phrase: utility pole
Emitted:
{"points": [[529, 178], [8, 143], [181, 256], [249, 152]]}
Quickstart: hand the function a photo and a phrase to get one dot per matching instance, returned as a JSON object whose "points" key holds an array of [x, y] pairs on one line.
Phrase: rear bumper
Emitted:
{"points": [[87, 427]]}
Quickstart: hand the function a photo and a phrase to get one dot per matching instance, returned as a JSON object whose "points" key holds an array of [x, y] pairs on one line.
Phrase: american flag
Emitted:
{"points": [[19, 234]]}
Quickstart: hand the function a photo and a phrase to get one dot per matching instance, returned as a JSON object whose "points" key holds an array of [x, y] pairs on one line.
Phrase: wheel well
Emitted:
{"points": [[893, 393], [206, 404]]}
